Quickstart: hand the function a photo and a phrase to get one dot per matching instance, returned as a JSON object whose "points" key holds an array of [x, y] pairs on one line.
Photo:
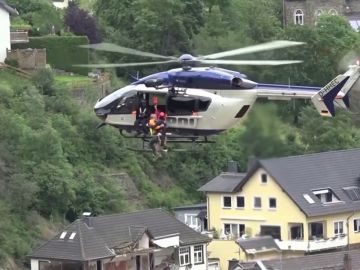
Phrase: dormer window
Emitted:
{"points": [[326, 195]]}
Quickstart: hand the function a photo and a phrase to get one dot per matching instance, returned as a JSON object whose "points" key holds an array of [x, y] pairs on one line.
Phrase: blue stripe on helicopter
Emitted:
{"points": [[281, 87]]}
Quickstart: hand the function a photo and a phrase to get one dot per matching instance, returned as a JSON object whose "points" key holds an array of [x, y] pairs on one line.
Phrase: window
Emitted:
{"points": [[356, 225], [183, 105], [240, 201], [338, 227], [184, 255], [353, 193], [326, 195], [257, 202], [298, 17], [263, 178], [198, 254], [138, 262], [191, 220], [316, 230], [127, 103], [63, 234], [272, 203], [318, 12], [72, 236], [274, 231], [234, 229], [308, 198], [227, 201], [333, 12]]}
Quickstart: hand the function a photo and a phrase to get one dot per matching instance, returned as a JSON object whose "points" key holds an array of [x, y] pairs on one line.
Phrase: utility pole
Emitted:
{"points": [[283, 13]]}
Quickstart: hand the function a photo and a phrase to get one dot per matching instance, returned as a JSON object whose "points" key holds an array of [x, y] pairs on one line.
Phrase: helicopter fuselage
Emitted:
{"points": [[190, 110]]}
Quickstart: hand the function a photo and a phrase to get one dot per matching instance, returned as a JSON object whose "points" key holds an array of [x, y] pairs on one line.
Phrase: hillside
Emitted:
{"points": [[55, 164]]}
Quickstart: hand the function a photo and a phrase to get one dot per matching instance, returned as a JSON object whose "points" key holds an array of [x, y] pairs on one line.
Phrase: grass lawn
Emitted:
{"points": [[72, 81], [12, 79]]}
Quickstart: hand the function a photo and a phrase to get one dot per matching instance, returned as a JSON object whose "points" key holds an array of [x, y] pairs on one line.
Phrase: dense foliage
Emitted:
{"points": [[62, 52], [82, 23], [54, 164]]}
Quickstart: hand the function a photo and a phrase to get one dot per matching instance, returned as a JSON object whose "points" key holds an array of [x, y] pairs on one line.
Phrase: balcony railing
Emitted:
{"points": [[312, 245]]}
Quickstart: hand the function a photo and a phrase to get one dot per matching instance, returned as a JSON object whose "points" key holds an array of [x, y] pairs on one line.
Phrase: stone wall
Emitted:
{"points": [[310, 8], [28, 59]]}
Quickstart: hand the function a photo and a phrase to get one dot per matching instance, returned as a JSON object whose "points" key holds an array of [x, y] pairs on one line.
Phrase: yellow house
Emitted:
{"points": [[308, 203]]}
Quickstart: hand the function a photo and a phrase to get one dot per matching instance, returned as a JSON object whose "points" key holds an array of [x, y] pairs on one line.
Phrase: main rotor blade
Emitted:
{"points": [[277, 44], [126, 64], [109, 47], [252, 62]]}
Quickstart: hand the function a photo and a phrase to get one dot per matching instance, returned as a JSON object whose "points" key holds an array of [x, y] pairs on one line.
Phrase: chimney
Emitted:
{"points": [[233, 167], [86, 217]]}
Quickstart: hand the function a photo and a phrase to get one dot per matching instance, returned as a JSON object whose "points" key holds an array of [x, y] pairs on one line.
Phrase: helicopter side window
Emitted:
{"points": [[127, 103], [180, 105]]}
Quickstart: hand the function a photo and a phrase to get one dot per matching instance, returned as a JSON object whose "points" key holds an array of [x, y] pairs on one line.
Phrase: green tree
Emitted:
{"points": [[321, 134], [40, 14]]}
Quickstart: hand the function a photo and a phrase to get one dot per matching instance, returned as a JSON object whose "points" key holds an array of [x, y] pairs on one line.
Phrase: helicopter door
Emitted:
{"points": [[182, 105]]}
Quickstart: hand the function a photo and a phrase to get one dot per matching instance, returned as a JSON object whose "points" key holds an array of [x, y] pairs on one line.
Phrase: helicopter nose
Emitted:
{"points": [[101, 112]]}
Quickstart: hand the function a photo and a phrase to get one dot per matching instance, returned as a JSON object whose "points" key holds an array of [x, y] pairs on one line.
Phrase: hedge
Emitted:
{"points": [[62, 52]]}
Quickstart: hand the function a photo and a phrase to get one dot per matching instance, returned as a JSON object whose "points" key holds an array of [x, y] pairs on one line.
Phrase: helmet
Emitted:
{"points": [[161, 115]]}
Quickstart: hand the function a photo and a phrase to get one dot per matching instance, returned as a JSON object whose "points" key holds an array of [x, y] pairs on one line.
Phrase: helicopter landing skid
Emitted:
{"points": [[170, 138], [150, 150]]}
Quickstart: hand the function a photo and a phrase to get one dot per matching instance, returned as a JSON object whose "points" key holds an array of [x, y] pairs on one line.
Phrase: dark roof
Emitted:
{"points": [[199, 206], [111, 231], [9, 9], [202, 215], [328, 260], [225, 182], [258, 244], [86, 245], [235, 265]]}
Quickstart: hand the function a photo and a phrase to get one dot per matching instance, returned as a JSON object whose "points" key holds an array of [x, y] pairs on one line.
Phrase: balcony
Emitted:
{"points": [[19, 37], [313, 245]]}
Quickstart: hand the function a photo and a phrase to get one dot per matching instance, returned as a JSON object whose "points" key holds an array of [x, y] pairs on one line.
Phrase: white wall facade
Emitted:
{"points": [[4, 33], [61, 5], [34, 264]]}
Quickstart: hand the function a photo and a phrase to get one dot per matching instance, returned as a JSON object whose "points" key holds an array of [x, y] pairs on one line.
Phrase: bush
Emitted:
{"points": [[44, 79]]}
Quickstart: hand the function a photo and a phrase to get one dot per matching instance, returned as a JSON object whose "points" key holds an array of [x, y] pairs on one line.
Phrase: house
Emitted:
{"points": [[5, 12], [195, 216], [61, 4], [340, 260], [265, 246], [306, 11], [146, 240], [307, 203]]}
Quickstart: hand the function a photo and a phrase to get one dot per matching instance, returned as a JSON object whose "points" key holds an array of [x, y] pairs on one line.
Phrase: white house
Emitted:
{"points": [[61, 4], [5, 12]]}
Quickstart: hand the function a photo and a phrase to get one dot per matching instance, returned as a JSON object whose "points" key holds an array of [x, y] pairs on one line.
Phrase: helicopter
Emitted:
{"points": [[203, 101]]}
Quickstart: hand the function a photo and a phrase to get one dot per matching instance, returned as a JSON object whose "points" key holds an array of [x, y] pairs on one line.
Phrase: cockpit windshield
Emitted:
{"points": [[127, 103]]}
